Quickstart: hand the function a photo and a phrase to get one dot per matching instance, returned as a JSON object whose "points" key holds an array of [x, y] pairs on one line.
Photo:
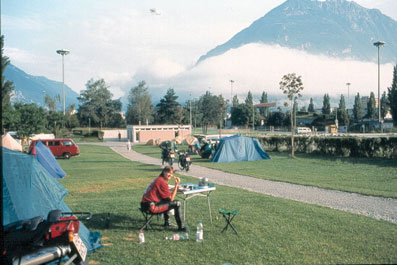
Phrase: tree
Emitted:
{"points": [[140, 107], [213, 110], [264, 111], [235, 101], [343, 117], [241, 115], [276, 118], [7, 88], [169, 110], [253, 117], [371, 107], [358, 111], [51, 102], [31, 119], [96, 104], [384, 105], [392, 95], [292, 85], [249, 99], [326, 109], [311, 106]]}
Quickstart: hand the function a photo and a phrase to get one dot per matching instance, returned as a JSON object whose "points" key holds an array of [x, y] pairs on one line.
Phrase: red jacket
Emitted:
{"points": [[156, 191]]}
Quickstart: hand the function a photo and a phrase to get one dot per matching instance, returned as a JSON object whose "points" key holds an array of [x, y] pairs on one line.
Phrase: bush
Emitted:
{"points": [[384, 147]]}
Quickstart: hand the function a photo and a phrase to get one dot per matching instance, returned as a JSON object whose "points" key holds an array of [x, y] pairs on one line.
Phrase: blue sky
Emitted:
{"points": [[123, 42]]}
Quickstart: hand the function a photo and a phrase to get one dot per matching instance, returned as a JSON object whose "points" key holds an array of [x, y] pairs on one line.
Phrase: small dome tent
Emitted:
{"points": [[239, 148]]}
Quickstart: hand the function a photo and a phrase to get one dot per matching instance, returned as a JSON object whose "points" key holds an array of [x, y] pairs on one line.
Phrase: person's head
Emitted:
{"points": [[167, 172]]}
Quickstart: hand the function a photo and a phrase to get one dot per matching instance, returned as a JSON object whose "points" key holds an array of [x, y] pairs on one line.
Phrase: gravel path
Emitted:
{"points": [[375, 207]]}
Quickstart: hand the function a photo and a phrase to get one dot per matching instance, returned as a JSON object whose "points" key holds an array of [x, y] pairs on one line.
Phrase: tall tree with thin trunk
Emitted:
{"points": [[358, 111], [292, 85], [392, 95], [326, 105], [140, 108], [311, 106], [372, 111]]}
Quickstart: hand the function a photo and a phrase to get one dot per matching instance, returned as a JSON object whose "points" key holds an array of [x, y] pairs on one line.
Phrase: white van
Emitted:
{"points": [[302, 130]]}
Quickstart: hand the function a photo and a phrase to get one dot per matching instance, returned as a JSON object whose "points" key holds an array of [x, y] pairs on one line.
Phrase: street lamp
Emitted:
{"points": [[63, 52], [348, 93], [379, 44]]}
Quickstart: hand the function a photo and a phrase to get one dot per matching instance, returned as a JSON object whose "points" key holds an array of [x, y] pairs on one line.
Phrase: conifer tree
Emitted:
{"points": [[326, 105], [311, 106], [371, 107], [358, 111], [392, 95]]}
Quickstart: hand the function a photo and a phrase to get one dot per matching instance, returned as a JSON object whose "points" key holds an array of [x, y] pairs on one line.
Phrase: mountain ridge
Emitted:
{"points": [[32, 89], [337, 28]]}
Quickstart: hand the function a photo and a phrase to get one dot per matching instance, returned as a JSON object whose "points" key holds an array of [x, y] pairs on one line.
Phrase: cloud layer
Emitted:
{"points": [[259, 67]]}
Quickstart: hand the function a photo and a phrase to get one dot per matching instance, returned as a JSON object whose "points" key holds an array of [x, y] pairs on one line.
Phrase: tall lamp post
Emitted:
{"points": [[379, 44], [63, 52]]}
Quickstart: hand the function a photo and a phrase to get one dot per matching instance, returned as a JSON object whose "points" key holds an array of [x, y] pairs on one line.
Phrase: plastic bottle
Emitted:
{"points": [[182, 236], [200, 232], [141, 237]]}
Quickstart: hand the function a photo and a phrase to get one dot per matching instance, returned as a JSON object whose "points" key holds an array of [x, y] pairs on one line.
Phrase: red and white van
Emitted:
{"points": [[59, 147]]}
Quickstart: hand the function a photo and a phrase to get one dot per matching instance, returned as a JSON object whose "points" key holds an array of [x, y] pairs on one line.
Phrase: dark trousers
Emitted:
{"points": [[163, 207]]}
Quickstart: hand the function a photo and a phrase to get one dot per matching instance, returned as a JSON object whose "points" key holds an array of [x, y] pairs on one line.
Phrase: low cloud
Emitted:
{"points": [[259, 67]]}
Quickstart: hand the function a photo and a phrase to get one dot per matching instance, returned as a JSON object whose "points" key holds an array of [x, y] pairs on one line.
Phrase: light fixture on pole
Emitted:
{"points": [[379, 44], [348, 94], [63, 52]]}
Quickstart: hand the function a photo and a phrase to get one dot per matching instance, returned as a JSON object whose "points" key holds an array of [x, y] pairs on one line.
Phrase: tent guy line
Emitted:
{"points": [[375, 207]]}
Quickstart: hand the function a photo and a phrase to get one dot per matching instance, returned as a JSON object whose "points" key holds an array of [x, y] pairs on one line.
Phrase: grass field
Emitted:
{"points": [[271, 230], [376, 177]]}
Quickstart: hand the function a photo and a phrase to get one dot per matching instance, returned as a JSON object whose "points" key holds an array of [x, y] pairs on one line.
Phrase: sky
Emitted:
{"points": [[123, 42]]}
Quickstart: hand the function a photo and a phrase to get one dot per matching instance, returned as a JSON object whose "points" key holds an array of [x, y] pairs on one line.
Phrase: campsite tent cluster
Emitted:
{"points": [[229, 149], [30, 187]]}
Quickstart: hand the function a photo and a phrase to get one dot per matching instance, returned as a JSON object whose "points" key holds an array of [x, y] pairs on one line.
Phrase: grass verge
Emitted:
{"points": [[377, 177], [271, 230]]}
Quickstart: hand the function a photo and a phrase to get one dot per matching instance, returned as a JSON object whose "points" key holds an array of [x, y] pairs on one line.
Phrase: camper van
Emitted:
{"points": [[65, 148], [302, 130]]}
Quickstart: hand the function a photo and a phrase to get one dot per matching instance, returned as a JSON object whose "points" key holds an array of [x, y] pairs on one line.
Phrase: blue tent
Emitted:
{"points": [[29, 191], [47, 160], [239, 148]]}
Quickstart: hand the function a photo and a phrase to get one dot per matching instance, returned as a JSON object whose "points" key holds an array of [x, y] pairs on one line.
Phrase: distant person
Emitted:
{"points": [[158, 198], [119, 136], [128, 145]]}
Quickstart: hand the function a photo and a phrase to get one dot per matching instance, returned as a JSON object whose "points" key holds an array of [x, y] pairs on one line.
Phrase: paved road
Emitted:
{"points": [[375, 207]]}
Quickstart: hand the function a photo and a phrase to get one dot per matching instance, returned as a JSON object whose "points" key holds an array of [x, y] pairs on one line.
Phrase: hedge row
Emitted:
{"points": [[385, 147]]}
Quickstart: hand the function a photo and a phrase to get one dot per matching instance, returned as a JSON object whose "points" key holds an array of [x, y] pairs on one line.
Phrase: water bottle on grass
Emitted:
{"points": [[200, 232], [141, 237]]}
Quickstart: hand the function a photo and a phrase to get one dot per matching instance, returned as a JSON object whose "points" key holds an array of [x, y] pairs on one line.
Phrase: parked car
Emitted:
{"points": [[302, 130], [65, 148]]}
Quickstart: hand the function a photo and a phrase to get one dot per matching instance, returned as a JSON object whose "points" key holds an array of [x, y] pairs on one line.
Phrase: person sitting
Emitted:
{"points": [[158, 198]]}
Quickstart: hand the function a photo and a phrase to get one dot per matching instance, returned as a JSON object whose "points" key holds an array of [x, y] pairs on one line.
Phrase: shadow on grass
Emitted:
{"points": [[102, 221], [147, 167]]}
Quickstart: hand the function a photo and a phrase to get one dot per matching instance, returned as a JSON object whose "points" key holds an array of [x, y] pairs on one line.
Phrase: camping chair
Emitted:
{"points": [[229, 215], [148, 215]]}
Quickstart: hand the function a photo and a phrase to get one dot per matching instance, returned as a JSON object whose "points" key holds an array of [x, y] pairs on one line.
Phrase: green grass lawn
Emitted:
{"points": [[271, 230], [374, 176]]}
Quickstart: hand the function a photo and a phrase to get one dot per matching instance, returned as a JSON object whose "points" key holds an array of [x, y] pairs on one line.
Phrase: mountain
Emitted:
{"points": [[32, 89], [336, 28]]}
